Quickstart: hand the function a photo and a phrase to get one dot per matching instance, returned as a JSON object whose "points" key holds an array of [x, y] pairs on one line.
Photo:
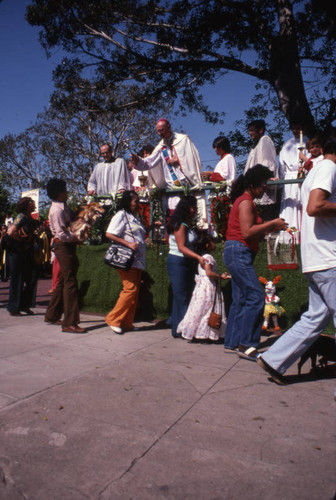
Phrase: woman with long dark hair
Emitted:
{"points": [[125, 228], [182, 260], [20, 251], [245, 228]]}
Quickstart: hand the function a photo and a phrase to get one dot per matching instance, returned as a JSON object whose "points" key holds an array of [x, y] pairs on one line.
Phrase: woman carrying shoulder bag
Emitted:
{"points": [[126, 229]]}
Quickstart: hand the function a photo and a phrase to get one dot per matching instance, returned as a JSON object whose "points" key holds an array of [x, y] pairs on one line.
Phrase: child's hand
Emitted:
{"points": [[225, 276]]}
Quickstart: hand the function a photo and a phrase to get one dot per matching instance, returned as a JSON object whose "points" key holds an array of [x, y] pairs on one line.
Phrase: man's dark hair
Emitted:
{"points": [[330, 147], [55, 187], [258, 124], [222, 142]]}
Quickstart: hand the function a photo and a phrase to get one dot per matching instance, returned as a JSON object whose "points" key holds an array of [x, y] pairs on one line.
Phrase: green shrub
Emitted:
{"points": [[100, 285]]}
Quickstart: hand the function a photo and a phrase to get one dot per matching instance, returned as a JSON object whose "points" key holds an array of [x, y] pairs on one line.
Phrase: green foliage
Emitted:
{"points": [[174, 48], [65, 139], [6, 207], [100, 285]]}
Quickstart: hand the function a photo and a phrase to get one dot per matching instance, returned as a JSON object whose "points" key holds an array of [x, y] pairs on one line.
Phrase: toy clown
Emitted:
{"points": [[272, 308]]}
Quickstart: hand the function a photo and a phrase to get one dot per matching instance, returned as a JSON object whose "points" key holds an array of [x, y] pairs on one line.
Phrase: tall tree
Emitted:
{"points": [[65, 139], [176, 46]]}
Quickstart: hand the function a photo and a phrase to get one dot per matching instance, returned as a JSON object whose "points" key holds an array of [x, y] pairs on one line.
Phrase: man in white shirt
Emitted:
{"points": [[110, 176], [263, 153], [318, 256]]}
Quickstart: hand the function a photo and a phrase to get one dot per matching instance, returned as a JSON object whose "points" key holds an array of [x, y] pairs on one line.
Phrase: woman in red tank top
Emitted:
{"points": [[245, 228]]}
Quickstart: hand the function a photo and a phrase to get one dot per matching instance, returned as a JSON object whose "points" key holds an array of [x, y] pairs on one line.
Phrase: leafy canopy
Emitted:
{"points": [[174, 47]]}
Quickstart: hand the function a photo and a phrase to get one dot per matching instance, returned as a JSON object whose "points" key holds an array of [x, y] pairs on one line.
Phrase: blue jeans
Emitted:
{"points": [[322, 308], [181, 272], [248, 298]]}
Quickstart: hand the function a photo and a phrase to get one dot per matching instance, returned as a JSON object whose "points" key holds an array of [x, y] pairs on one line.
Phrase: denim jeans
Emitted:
{"points": [[181, 271], [248, 297], [322, 308]]}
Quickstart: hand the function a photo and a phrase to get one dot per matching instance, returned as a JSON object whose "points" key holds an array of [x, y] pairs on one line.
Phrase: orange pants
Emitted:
{"points": [[123, 313]]}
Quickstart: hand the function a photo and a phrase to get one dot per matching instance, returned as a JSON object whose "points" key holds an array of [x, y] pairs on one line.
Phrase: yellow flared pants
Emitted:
{"points": [[123, 313]]}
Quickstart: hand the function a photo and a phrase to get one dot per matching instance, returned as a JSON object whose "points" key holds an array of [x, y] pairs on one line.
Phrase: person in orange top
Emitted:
{"points": [[245, 228]]}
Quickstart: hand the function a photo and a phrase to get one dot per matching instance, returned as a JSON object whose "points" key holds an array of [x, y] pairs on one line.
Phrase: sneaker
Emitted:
{"points": [[116, 329], [276, 376], [249, 353]]}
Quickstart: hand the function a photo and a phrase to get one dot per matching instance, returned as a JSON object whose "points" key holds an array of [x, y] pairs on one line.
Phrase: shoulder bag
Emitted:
{"points": [[215, 319], [119, 256]]}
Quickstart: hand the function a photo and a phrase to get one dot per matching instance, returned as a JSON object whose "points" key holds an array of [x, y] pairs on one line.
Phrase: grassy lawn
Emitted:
{"points": [[100, 285]]}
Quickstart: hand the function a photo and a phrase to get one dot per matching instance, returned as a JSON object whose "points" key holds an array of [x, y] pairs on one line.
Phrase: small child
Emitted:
{"points": [[314, 146], [195, 322]]}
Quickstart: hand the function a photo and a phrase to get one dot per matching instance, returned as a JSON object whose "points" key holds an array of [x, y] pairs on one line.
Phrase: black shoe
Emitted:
{"points": [[276, 376], [15, 313], [28, 311]]}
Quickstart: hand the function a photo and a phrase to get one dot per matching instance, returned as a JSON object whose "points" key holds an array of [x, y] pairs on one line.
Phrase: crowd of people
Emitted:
{"points": [[191, 268]]}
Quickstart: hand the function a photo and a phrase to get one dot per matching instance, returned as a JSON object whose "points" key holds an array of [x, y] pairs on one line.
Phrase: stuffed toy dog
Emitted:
{"points": [[85, 219]]}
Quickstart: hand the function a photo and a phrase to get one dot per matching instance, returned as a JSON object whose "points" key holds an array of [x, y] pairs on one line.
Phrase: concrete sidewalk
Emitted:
{"points": [[146, 416]]}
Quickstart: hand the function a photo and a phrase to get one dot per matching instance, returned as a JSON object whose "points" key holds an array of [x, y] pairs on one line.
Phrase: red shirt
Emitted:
{"points": [[234, 231]]}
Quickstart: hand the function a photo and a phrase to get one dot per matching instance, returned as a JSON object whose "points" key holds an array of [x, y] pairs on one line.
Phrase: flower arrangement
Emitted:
{"points": [[220, 206]]}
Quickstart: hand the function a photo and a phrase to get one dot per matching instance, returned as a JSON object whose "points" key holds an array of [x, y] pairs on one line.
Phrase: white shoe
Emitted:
{"points": [[116, 329]]}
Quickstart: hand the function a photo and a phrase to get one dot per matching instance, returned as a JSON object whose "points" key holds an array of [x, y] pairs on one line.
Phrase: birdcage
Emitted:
{"points": [[282, 251]]}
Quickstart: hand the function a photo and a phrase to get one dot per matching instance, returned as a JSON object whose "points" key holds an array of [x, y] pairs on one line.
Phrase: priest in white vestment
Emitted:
{"points": [[110, 176], [289, 161], [263, 153], [174, 163]]}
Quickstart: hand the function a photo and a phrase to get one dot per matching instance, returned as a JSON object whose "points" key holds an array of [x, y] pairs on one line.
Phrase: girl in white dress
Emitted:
{"points": [[195, 322]]}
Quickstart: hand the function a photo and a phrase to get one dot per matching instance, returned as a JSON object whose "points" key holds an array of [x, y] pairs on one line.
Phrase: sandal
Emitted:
{"points": [[249, 353], [231, 350], [275, 375]]}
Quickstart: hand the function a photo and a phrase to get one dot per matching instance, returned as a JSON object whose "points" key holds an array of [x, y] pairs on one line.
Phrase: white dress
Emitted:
{"points": [[195, 321]]}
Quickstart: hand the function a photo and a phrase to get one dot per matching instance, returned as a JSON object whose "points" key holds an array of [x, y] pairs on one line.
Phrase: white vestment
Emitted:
{"points": [[110, 177], [290, 208], [161, 175], [264, 154], [189, 161], [226, 167]]}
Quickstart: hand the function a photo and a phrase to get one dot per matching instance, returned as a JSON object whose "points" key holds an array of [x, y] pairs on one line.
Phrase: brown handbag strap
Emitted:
{"points": [[217, 296]]}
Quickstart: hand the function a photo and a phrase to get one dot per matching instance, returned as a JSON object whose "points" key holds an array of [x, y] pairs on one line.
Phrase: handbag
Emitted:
{"points": [[119, 256], [215, 319]]}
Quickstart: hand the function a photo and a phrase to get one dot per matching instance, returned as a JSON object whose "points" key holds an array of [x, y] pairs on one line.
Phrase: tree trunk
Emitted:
{"points": [[285, 71]]}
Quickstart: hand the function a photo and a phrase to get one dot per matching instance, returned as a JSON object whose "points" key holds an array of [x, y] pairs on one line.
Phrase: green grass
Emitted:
{"points": [[100, 285]]}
